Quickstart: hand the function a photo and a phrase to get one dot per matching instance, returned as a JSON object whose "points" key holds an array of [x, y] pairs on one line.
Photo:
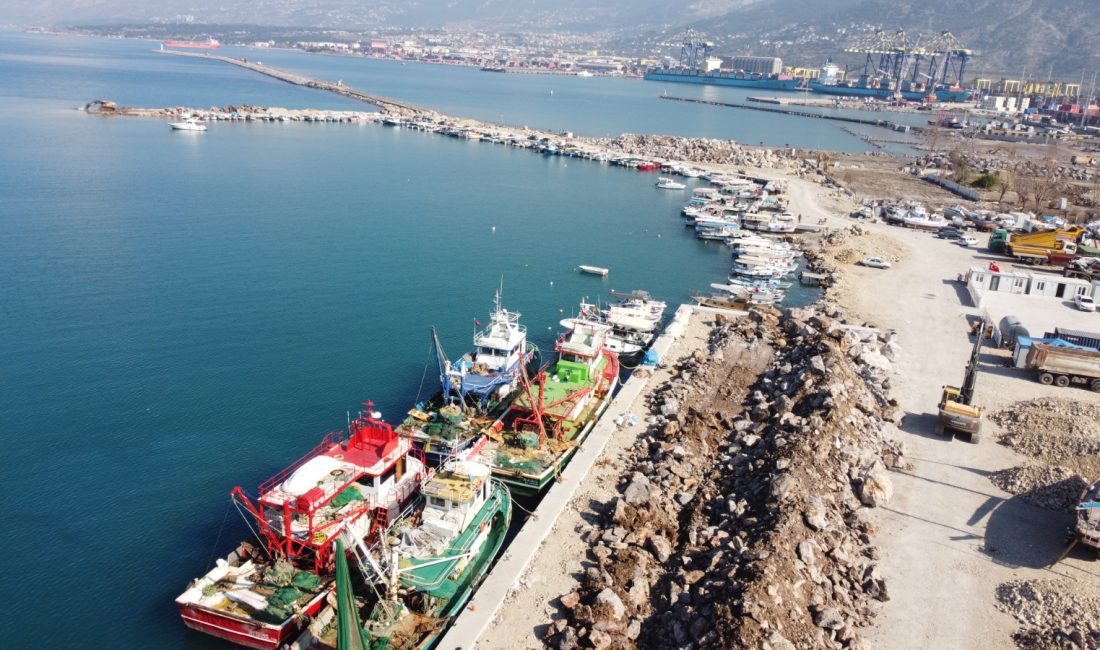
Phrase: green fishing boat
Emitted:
{"points": [[552, 415], [421, 577]]}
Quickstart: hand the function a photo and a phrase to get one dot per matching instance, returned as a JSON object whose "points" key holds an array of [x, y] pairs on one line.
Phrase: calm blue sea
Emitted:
{"points": [[183, 312]]}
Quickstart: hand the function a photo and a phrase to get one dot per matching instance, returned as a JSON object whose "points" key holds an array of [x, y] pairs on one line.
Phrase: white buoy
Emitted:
{"points": [[494, 228], [551, 283]]}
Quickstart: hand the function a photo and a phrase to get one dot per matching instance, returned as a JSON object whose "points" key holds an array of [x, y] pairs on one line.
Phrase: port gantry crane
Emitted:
{"points": [[896, 56], [885, 53], [693, 48]]}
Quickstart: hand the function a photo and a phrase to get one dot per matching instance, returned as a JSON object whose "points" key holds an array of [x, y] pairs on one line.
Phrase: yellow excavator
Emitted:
{"points": [[958, 413]]}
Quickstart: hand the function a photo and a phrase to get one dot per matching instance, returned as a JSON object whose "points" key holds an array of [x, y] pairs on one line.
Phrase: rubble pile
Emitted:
{"points": [[700, 150], [1050, 428], [742, 520], [1052, 613], [1036, 168], [1054, 488]]}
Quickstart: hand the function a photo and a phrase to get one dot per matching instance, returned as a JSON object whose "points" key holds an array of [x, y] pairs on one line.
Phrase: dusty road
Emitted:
{"points": [[949, 537]]}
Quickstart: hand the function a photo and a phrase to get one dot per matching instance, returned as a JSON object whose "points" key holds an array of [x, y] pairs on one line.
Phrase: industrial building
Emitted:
{"points": [[759, 64]]}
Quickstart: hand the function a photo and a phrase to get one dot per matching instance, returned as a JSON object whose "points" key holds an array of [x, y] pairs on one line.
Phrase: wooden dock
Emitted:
{"points": [[385, 103]]}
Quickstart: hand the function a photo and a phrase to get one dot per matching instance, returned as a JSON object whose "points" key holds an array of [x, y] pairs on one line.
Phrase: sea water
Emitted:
{"points": [[185, 312]]}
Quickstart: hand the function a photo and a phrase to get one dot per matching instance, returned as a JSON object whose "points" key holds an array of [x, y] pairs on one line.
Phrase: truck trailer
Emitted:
{"points": [[1065, 366]]}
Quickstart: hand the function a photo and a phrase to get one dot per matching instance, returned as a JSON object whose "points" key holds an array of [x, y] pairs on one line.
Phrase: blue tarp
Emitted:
{"points": [[1027, 341], [650, 358]]}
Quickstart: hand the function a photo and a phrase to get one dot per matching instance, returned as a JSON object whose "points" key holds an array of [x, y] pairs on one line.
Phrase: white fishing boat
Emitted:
{"points": [[593, 270], [190, 124], [721, 233], [665, 183], [616, 344], [756, 296]]}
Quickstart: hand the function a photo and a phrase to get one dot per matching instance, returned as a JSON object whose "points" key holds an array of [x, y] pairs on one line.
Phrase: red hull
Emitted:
{"points": [[250, 634]]}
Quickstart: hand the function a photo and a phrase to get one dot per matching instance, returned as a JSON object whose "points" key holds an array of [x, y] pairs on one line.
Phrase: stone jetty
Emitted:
{"points": [[742, 519]]}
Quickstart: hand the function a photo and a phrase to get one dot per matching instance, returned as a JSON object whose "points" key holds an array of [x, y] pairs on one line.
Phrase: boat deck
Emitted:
{"points": [[556, 390]]}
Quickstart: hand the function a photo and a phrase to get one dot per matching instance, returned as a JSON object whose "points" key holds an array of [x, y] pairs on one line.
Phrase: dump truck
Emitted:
{"points": [[1040, 246], [1065, 366], [1086, 530], [957, 411]]}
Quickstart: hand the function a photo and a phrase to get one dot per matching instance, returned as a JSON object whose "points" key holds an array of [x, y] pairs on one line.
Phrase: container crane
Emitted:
{"points": [[693, 50]]}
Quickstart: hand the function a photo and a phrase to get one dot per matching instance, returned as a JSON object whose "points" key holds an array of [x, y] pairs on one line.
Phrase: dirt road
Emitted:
{"points": [[949, 537]]}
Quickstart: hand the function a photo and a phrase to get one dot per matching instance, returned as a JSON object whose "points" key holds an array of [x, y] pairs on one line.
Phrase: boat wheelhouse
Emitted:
{"points": [[492, 370], [354, 483]]}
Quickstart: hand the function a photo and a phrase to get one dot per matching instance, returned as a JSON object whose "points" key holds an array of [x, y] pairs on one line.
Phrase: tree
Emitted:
{"points": [[932, 136], [960, 165], [1006, 183]]}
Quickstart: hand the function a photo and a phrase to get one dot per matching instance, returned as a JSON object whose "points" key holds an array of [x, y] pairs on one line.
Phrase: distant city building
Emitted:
{"points": [[761, 64]]}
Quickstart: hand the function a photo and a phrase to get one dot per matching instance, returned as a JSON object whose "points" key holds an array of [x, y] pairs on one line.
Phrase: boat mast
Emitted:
{"points": [[444, 368]]}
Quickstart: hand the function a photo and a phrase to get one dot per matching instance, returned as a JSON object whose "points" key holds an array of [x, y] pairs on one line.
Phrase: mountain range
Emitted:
{"points": [[1009, 37]]}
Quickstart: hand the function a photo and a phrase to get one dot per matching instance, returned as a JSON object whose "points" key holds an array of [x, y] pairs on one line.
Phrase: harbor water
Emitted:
{"points": [[183, 312]]}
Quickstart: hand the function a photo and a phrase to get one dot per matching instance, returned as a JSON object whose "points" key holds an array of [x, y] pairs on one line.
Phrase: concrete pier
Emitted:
{"points": [[886, 124], [384, 103], [509, 569]]}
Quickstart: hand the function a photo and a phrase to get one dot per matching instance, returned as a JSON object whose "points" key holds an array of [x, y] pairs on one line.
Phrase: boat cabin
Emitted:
{"points": [[579, 351], [499, 347], [359, 479], [454, 496]]}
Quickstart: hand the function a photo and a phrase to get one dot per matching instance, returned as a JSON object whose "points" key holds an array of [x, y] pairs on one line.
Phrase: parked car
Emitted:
{"points": [[875, 262], [948, 233], [1084, 302], [969, 241], [986, 224]]}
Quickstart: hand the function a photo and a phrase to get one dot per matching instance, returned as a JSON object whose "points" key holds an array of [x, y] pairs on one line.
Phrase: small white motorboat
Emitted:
{"points": [[665, 183], [593, 270], [190, 124]]}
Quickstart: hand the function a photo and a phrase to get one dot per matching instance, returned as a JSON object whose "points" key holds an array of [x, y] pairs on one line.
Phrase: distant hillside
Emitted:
{"points": [[1008, 36], [495, 15]]}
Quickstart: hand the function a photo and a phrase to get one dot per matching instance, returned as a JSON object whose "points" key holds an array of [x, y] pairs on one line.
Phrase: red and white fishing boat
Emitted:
{"points": [[352, 485]]}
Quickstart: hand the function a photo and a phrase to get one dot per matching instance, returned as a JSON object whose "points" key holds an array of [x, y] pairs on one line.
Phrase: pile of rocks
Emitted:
{"points": [[743, 516], [1052, 613], [1054, 488], [1050, 428], [700, 150], [1031, 167]]}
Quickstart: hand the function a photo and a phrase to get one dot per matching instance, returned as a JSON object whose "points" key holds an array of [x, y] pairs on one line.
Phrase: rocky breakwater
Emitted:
{"points": [[698, 150], [742, 519]]}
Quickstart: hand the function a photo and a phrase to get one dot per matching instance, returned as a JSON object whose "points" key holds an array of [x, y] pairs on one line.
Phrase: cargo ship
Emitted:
{"points": [[720, 78], [208, 44], [829, 83]]}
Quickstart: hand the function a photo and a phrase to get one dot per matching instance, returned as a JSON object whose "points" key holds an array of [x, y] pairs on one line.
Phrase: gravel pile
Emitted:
{"points": [[1053, 488], [1052, 613], [1050, 428]]}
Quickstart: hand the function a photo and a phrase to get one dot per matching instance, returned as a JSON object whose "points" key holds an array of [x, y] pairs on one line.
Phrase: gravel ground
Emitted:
{"points": [[950, 536], [1052, 613]]}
